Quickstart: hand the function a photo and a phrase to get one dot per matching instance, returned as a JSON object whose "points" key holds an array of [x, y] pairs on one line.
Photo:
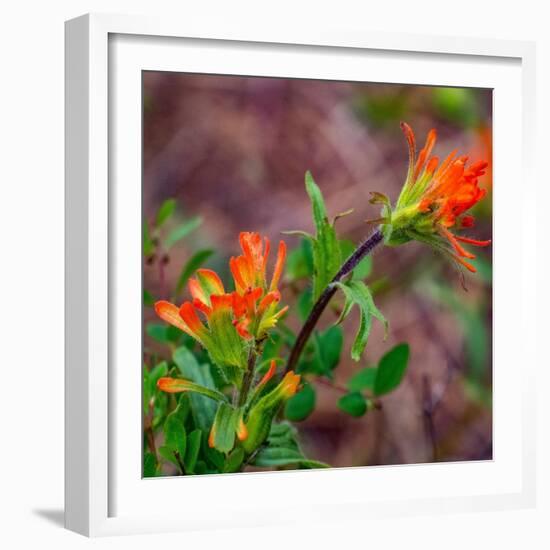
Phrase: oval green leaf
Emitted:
{"points": [[391, 369], [301, 405], [353, 404]]}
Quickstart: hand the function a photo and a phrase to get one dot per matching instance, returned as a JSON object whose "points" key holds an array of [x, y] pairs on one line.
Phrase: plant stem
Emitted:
{"points": [[363, 250], [247, 377]]}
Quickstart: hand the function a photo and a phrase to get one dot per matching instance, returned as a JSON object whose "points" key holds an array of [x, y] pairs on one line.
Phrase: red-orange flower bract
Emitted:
{"points": [[230, 320], [435, 198], [255, 304]]}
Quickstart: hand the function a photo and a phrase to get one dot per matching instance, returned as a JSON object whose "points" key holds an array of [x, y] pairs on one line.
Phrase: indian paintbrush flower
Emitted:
{"points": [[237, 320], [218, 335], [255, 304], [435, 198]]}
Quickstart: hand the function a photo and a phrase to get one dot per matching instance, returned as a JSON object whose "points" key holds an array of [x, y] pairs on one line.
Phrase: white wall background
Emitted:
{"points": [[31, 272]]}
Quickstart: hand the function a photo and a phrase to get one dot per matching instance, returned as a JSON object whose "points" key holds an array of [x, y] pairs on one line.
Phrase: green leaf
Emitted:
{"points": [[282, 434], [196, 261], [183, 408], [168, 454], [149, 465], [280, 456], [152, 394], [203, 409], [299, 263], [148, 245], [357, 293], [353, 404], [363, 380], [391, 369], [192, 453], [175, 437], [277, 456], [160, 369], [224, 428], [213, 456], [234, 460], [163, 333], [184, 385], [326, 249], [363, 269], [182, 231], [305, 304], [165, 211], [272, 346], [329, 348], [148, 299], [346, 248], [300, 405]]}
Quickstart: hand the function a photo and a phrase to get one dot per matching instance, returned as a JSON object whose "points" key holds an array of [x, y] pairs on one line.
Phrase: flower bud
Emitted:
{"points": [[262, 413]]}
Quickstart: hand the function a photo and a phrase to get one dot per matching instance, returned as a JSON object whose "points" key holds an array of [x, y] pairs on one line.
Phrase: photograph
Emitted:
{"points": [[316, 274]]}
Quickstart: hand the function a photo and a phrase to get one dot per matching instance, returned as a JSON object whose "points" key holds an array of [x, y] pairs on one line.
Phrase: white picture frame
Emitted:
{"points": [[104, 491]]}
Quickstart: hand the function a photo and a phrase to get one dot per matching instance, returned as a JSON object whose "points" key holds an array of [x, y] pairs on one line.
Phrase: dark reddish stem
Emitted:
{"points": [[363, 250]]}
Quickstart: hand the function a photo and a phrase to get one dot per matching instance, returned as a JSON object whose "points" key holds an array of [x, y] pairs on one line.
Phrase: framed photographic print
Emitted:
{"points": [[289, 278]]}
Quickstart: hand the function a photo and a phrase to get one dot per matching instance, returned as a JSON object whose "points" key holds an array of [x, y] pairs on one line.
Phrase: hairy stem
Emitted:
{"points": [[247, 377], [363, 250]]}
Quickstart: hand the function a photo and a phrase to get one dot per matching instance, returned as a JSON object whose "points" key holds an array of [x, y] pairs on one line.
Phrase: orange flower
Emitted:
{"points": [[289, 384], [218, 335], [249, 270], [435, 198], [254, 303], [231, 318]]}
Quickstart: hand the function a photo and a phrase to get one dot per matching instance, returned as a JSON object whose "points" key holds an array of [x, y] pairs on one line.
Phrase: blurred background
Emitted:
{"points": [[233, 152]]}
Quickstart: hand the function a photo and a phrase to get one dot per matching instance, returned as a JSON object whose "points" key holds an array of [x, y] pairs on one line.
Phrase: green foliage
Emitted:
{"points": [[192, 452], [163, 333], [282, 449], [300, 405], [363, 268], [363, 380], [353, 404], [329, 345], [234, 460], [305, 303], [383, 109], [459, 105], [148, 299], [196, 261], [175, 438], [150, 465], [375, 381], [357, 293], [326, 249], [272, 347], [322, 354], [224, 428], [148, 245], [299, 262], [154, 401], [169, 456], [391, 369], [181, 231], [203, 409], [214, 459], [165, 211]]}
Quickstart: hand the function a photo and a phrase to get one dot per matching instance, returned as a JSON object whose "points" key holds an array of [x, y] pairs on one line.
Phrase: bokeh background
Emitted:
{"points": [[234, 151]]}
